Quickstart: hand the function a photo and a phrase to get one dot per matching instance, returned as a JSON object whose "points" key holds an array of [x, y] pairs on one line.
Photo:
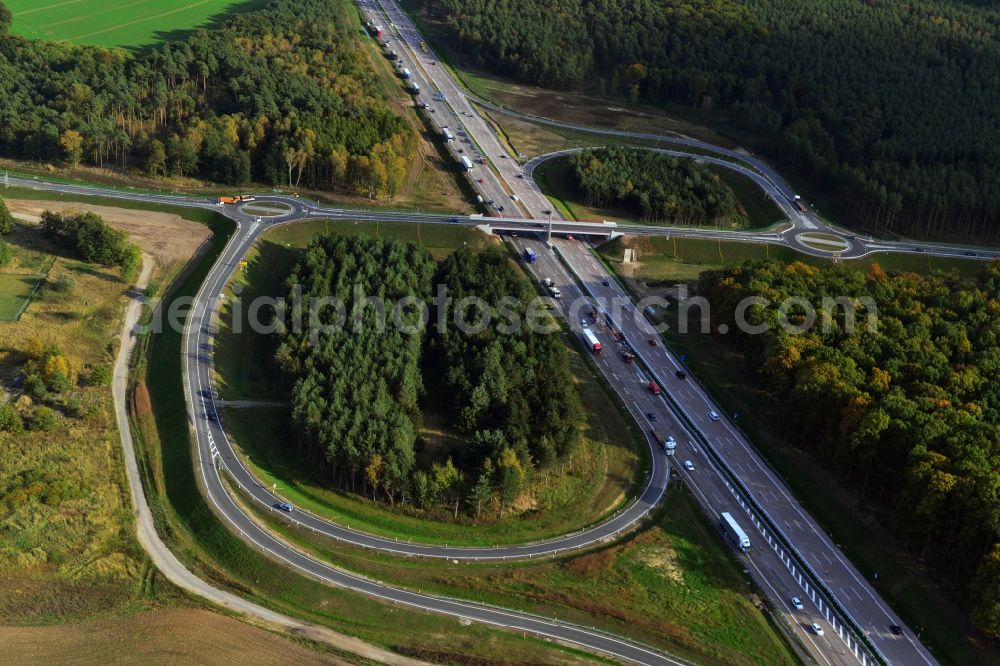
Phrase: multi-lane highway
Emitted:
{"points": [[858, 614], [631, 380], [714, 443], [791, 554]]}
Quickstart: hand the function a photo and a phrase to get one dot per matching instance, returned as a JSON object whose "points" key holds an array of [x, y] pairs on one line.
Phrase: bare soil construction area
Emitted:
{"points": [[175, 636], [168, 237]]}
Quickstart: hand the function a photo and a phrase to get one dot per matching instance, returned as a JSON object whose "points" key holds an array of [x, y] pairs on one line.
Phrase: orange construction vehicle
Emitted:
{"points": [[239, 198]]}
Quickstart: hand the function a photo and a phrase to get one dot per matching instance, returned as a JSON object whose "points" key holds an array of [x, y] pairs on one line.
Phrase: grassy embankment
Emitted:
{"points": [[668, 260], [925, 603], [600, 476], [73, 580], [673, 585], [202, 542]]}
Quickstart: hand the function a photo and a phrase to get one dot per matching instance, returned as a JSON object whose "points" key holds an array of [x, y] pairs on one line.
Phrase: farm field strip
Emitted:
{"points": [[125, 23]]}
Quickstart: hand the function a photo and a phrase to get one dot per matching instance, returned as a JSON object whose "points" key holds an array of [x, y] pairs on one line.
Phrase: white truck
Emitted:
{"points": [[466, 162], [448, 136], [734, 533]]}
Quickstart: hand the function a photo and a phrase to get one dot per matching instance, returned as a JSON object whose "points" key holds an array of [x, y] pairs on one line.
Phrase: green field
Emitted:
{"points": [[14, 291], [683, 259], [125, 23]]}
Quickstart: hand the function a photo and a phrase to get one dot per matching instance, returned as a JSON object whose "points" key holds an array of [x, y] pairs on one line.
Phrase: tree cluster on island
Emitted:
{"points": [[907, 413], [359, 392], [658, 189]]}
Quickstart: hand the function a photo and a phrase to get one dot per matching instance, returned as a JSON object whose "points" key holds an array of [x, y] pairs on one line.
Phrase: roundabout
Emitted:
{"points": [[269, 209], [824, 242]]}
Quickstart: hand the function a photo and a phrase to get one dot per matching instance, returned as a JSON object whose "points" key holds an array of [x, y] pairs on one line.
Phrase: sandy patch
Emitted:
{"points": [[662, 560], [168, 237]]}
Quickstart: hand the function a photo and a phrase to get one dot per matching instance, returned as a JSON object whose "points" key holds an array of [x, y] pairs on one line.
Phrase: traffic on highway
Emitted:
{"points": [[827, 604]]}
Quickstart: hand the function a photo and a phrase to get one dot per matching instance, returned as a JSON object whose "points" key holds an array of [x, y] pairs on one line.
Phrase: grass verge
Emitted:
{"points": [[675, 586], [15, 294]]}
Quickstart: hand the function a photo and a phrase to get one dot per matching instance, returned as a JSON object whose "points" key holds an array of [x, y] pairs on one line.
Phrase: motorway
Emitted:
{"points": [[212, 439], [631, 380], [811, 559], [791, 554]]}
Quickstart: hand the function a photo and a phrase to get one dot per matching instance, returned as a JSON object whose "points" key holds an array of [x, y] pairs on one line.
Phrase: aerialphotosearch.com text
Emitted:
{"points": [[318, 316]]}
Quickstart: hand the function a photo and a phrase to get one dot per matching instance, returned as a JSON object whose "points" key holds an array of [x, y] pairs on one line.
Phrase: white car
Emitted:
{"points": [[712, 415], [688, 465], [818, 630], [797, 603]]}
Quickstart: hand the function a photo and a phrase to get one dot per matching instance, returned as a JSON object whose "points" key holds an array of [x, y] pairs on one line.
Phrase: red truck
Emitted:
{"points": [[592, 341]]}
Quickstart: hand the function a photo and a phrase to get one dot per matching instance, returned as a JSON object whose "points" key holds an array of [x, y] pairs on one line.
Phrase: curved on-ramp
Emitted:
{"points": [[164, 560]]}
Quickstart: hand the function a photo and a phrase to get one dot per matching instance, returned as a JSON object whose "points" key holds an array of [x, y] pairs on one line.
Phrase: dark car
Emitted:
{"points": [[970, 254], [652, 342], [606, 283], [651, 416], [681, 374], [896, 629]]}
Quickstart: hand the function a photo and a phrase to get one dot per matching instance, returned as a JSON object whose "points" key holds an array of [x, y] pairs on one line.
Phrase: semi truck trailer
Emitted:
{"points": [[592, 341], [734, 533]]}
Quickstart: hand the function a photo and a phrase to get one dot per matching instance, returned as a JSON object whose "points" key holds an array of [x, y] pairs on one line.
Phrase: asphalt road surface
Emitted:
{"points": [[300, 208], [209, 435], [508, 183]]}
